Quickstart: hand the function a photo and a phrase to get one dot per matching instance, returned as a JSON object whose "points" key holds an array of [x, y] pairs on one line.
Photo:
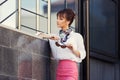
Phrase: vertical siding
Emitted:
{"points": [[101, 70]]}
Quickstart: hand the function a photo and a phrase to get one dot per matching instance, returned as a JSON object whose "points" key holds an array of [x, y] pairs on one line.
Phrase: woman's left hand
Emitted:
{"points": [[70, 46], [76, 52]]}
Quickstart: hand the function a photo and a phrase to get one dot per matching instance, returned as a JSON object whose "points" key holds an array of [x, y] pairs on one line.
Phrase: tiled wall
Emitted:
{"points": [[23, 57]]}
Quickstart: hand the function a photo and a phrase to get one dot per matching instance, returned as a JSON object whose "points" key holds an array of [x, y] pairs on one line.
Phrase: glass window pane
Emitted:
{"points": [[102, 26], [6, 10], [29, 5], [57, 5], [43, 19], [28, 20], [71, 4], [43, 24]]}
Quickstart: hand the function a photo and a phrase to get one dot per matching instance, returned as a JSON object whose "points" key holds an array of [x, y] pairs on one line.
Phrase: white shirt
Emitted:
{"points": [[65, 53]]}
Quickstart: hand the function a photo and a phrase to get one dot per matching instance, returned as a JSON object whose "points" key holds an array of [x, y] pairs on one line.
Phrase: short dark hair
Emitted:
{"points": [[68, 14]]}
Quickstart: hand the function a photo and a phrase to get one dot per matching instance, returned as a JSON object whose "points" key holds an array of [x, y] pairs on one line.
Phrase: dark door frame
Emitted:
{"points": [[82, 26]]}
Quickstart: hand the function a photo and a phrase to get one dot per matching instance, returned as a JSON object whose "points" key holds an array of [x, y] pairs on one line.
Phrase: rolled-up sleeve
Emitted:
{"points": [[81, 46]]}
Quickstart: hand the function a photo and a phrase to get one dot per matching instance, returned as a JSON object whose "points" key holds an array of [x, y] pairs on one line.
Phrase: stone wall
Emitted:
{"points": [[24, 57]]}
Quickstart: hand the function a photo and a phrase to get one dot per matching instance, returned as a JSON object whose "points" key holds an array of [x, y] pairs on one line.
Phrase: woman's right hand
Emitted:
{"points": [[54, 38]]}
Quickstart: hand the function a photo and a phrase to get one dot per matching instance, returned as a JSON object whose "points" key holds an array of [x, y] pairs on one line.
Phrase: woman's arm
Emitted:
{"points": [[76, 52]]}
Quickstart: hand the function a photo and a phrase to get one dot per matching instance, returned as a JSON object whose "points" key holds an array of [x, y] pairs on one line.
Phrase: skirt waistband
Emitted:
{"points": [[66, 60]]}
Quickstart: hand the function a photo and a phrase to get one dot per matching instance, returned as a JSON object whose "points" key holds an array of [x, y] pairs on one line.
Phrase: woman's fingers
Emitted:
{"points": [[54, 38], [70, 46]]}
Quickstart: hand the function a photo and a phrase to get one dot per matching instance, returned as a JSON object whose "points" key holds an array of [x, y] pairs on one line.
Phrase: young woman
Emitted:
{"points": [[67, 47]]}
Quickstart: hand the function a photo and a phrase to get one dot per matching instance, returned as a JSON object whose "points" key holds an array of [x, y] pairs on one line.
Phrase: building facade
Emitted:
{"points": [[25, 56]]}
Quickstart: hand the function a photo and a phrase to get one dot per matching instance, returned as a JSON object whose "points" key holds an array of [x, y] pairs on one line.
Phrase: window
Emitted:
{"points": [[8, 12], [55, 7], [103, 27], [31, 16]]}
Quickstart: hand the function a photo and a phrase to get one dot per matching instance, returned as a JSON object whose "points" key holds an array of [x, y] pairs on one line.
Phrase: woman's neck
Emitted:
{"points": [[65, 28]]}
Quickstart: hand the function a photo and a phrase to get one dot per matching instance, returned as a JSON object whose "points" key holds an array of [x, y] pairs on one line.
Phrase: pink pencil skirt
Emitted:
{"points": [[67, 70]]}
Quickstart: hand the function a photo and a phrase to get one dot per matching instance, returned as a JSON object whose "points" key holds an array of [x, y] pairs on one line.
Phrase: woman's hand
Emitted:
{"points": [[54, 38], [70, 46], [76, 52]]}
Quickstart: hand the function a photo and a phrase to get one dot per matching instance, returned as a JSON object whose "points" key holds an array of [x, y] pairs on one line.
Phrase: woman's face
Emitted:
{"points": [[62, 22]]}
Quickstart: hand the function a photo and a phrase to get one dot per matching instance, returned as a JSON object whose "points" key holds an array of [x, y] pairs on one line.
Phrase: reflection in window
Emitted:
{"points": [[102, 25]]}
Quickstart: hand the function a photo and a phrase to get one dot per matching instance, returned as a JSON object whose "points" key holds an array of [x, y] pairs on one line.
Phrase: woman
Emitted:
{"points": [[67, 47]]}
